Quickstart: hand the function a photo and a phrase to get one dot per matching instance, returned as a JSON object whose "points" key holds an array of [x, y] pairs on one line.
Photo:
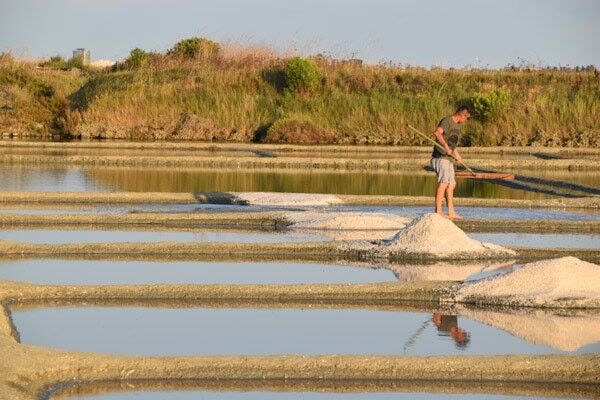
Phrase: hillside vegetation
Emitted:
{"points": [[200, 90]]}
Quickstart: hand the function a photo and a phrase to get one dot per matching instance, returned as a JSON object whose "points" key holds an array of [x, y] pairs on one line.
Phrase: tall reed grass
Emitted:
{"points": [[240, 95]]}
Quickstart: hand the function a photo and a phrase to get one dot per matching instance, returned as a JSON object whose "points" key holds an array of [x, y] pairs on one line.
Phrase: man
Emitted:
{"points": [[447, 136]]}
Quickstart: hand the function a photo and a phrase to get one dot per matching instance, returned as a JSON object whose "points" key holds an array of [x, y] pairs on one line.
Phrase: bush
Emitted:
{"points": [[60, 63], [137, 58], [487, 107], [66, 119], [300, 130], [75, 62], [55, 62], [301, 74], [195, 48]]}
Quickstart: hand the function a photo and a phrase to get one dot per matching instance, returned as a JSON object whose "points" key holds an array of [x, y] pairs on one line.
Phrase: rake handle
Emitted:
{"points": [[440, 147]]}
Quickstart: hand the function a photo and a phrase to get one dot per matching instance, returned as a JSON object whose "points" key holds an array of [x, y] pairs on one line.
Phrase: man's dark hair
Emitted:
{"points": [[463, 108]]}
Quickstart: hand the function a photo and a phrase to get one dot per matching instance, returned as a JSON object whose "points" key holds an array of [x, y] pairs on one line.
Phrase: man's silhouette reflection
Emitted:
{"points": [[447, 325]]}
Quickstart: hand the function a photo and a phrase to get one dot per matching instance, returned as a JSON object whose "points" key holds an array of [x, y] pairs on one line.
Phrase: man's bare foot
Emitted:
{"points": [[441, 214], [454, 217]]}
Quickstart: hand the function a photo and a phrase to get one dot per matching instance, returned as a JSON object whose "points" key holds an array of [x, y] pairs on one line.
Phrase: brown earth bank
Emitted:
{"points": [[85, 198], [272, 221]]}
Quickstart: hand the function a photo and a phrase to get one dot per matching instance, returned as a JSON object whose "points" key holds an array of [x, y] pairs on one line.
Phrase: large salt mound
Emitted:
{"points": [[288, 199], [560, 282], [434, 236]]}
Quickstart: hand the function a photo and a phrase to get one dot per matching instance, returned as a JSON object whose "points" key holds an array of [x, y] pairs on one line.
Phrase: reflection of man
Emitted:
{"points": [[448, 324]]}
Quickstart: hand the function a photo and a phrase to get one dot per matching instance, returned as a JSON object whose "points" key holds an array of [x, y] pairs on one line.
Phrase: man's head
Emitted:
{"points": [[462, 114]]}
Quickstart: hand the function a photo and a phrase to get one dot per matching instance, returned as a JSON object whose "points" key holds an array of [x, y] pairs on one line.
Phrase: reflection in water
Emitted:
{"points": [[138, 330], [49, 236], [415, 183], [566, 330], [447, 325], [541, 240], [106, 272], [364, 183], [442, 271]]}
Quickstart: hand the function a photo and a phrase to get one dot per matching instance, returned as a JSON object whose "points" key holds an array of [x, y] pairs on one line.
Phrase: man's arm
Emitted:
{"points": [[439, 134], [457, 155]]}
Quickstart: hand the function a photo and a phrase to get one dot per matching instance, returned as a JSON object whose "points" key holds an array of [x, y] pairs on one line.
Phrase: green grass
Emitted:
{"points": [[241, 100]]}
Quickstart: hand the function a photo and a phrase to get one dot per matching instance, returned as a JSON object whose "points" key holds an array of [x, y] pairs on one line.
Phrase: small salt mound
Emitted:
{"points": [[560, 282], [288, 199], [348, 225], [348, 220], [438, 237]]}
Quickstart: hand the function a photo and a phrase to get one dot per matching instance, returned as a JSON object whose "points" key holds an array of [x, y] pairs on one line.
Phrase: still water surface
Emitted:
{"points": [[231, 331], [86, 272], [98, 179]]}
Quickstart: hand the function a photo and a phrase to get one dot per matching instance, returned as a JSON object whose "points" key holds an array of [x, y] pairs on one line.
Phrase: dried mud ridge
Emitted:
{"points": [[36, 372], [271, 221], [320, 251], [233, 198], [290, 156]]}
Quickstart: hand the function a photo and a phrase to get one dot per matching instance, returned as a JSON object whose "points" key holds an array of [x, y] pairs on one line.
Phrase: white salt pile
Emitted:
{"points": [[565, 282], [434, 236], [348, 225], [560, 329], [288, 199]]}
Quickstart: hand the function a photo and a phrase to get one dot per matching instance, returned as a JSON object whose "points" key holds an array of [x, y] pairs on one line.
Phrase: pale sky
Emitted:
{"points": [[427, 32]]}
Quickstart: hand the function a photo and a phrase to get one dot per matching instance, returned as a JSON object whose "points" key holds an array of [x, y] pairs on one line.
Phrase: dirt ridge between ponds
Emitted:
{"points": [[62, 198], [258, 220], [243, 161], [318, 251], [89, 388]]}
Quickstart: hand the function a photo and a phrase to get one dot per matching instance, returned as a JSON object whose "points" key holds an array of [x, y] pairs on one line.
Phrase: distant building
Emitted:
{"points": [[83, 54]]}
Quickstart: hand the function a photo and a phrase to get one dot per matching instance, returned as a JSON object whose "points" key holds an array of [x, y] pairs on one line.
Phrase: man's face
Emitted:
{"points": [[463, 116]]}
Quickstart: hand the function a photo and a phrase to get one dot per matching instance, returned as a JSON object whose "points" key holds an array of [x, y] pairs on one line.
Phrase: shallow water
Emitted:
{"points": [[46, 236], [210, 331], [541, 240], [84, 272], [298, 395], [468, 212], [414, 183], [498, 213]]}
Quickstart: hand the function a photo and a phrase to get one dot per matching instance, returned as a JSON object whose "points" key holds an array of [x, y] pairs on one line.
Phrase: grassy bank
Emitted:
{"points": [[248, 96]]}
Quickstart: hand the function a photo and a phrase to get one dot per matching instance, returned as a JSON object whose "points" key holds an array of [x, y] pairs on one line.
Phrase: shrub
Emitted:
{"points": [[75, 62], [300, 130], [66, 119], [42, 90], [487, 107], [301, 74], [60, 63], [55, 62], [137, 58], [195, 48]]}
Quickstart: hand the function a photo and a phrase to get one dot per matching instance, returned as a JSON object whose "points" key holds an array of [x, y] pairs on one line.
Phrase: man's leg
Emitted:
{"points": [[439, 197], [450, 200]]}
